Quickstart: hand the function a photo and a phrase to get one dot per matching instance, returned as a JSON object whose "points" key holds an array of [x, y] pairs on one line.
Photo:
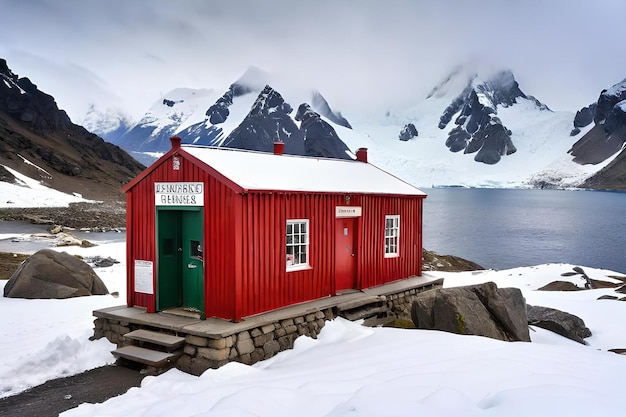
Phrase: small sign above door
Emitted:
{"points": [[179, 193], [347, 211]]}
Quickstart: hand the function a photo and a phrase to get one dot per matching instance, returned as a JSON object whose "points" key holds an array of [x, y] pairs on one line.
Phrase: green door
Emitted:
{"points": [[180, 274], [193, 265], [169, 249]]}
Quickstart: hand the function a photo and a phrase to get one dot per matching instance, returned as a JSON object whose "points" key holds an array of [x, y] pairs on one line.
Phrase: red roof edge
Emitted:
{"points": [[178, 150]]}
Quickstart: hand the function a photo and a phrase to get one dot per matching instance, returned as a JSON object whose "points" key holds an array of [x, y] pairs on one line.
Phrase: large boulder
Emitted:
{"points": [[482, 310], [51, 274], [560, 322]]}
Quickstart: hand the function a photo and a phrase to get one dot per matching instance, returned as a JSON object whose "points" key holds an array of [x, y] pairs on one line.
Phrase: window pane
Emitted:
{"points": [[297, 243]]}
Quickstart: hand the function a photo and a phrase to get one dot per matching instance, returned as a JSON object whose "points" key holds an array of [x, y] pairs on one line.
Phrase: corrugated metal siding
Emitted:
{"points": [[221, 255], [266, 285], [374, 268]]}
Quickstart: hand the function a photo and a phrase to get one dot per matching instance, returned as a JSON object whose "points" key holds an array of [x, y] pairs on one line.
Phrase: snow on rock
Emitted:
{"points": [[27, 192]]}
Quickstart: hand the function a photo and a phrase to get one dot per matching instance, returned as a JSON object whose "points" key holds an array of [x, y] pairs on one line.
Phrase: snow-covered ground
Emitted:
{"points": [[350, 369], [28, 192]]}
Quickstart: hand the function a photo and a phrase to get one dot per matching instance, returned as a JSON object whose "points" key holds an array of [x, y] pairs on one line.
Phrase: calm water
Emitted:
{"points": [[502, 229]]}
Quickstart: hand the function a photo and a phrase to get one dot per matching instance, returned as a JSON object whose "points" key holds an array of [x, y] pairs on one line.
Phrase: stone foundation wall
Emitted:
{"points": [[202, 352], [249, 346]]}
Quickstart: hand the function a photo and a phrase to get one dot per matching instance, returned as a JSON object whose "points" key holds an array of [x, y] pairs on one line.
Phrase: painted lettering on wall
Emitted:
{"points": [[179, 193]]}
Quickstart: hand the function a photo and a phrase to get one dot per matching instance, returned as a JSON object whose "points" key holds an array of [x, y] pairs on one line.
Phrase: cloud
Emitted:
{"points": [[365, 52]]}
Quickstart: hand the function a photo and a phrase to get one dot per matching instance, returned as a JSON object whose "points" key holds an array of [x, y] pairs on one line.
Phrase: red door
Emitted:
{"points": [[345, 253]]}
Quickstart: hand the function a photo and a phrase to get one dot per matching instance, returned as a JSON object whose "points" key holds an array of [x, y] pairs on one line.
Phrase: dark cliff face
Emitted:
{"points": [[608, 134], [267, 122], [320, 139], [478, 129], [23, 101], [604, 140], [33, 127]]}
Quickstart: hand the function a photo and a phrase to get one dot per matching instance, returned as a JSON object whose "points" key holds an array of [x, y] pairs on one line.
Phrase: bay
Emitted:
{"points": [[502, 228]]}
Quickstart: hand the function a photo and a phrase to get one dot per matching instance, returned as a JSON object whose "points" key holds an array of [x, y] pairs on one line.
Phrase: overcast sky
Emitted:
{"points": [[128, 53]]}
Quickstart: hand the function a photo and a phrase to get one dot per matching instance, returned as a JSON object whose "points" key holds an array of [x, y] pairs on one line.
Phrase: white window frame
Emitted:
{"points": [[293, 247], [392, 236]]}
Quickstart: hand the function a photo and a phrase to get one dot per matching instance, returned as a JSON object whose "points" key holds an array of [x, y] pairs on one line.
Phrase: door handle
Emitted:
{"points": [[192, 266]]}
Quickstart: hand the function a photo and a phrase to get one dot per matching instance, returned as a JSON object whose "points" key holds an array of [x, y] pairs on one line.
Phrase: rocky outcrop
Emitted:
{"points": [[218, 112], [64, 156], [51, 274], [267, 122], [26, 103], [482, 310], [409, 131], [433, 261], [560, 322], [605, 139], [583, 118], [478, 129], [320, 139]]}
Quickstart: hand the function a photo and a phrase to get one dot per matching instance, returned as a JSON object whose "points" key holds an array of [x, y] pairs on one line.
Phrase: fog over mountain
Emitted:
{"points": [[362, 54], [473, 129]]}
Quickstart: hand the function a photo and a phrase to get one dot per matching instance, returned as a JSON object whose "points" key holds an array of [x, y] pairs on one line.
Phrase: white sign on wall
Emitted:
{"points": [[179, 193], [347, 211], [144, 273]]}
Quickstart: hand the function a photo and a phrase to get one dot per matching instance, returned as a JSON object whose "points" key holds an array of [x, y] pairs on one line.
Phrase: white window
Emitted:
{"points": [[392, 235], [297, 244]]}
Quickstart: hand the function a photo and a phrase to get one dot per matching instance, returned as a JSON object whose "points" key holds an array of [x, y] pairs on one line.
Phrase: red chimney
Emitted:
{"points": [[361, 155], [175, 142], [279, 148]]}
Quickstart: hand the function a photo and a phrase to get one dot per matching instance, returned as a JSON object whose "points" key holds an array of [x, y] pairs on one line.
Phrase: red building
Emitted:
{"points": [[233, 233]]}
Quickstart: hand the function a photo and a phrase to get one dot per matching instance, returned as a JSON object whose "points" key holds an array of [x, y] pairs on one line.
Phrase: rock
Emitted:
{"points": [[478, 129], [584, 116], [432, 261], [482, 310], [51, 274], [607, 297], [621, 290], [100, 262], [560, 286], [557, 321], [409, 131], [320, 139]]}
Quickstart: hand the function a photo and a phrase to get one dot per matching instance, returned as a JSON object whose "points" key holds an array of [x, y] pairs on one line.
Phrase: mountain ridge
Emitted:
{"points": [[40, 141], [472, 129]]}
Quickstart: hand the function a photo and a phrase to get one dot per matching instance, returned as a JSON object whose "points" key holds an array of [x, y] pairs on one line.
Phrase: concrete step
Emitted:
{"points": [[169, 341], [146, 356]]}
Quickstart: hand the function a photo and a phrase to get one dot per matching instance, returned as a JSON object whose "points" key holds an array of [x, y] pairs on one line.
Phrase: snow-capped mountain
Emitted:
{"points": [[164, 118], [248, 115], [473, 129], [108, 123], [478, 128], [470, 130]]}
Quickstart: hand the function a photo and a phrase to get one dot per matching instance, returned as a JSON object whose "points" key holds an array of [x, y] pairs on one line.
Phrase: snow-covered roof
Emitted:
{"points": [[267, 171]]}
